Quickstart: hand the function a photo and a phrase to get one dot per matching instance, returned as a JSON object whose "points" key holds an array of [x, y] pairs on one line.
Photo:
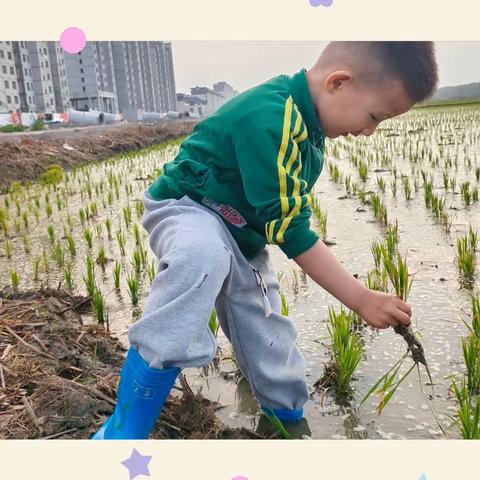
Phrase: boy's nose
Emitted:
{"points": [[369, 131]]}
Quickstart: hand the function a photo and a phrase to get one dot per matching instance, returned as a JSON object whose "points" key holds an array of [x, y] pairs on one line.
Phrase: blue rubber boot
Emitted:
{"points": [[293, 422], [141, 395], [285, 415]]}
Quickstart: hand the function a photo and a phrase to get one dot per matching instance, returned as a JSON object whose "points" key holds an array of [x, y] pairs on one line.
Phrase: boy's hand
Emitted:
{"points": [[383, 310]]}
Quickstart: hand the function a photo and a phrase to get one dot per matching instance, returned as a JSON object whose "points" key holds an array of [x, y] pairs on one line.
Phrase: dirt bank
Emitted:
{"points": [[25, 156], [58, 377]]}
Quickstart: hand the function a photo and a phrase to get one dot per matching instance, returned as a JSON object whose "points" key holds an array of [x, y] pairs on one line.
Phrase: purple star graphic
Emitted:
{"points": [[137, 464]]}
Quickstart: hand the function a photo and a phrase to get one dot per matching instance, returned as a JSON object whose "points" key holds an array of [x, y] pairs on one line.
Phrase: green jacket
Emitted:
{"points": [[254, 161]]}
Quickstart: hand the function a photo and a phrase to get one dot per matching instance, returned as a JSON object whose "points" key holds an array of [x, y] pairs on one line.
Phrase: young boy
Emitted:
{"points": [[240, 181]]}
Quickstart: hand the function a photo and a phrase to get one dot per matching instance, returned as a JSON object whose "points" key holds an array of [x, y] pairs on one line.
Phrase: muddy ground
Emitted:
{"points": [[26, 156], [58, 376]]}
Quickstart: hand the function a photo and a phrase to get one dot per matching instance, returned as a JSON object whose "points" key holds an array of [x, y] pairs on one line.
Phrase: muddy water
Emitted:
{"points": [[438, 302]]}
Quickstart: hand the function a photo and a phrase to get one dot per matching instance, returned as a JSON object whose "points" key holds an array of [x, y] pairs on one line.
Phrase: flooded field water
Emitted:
{"points": [[438, 141]]}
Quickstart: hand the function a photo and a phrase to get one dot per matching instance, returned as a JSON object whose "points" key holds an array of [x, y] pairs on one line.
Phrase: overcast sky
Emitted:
{"points": [[245, 64]]}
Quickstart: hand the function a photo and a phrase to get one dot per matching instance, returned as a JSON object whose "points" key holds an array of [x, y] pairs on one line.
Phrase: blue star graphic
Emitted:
{"points": [[137, 464]]}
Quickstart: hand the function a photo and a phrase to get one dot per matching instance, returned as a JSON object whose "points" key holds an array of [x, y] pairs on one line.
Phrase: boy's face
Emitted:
{"points": [[346, 105]]}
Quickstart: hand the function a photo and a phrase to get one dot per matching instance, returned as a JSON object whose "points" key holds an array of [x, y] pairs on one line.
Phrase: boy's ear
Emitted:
{"points": [[336, 80]]}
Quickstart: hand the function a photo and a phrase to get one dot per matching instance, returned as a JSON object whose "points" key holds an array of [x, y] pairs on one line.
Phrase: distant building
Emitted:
{"points": [[224, 89], [119, 76], [40, 64], [195, 106], [213, 100], [59, 77], [107, 76], [9, 88], [88, 81]]}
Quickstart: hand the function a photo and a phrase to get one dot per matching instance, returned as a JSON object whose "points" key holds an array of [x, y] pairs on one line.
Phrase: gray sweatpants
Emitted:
{"points": [[201, 266]]}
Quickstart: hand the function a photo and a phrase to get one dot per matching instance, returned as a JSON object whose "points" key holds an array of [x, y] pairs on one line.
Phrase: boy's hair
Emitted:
{"points": [[413, 63]]}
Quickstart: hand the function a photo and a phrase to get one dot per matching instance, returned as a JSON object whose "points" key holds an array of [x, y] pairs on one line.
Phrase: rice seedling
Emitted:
{"points": [[407, 189], [363, 171], [133, 283], [472, 238], [438, 205], [471, 355], [136, 260], [89, 278], [18, 225], [51, 234], [46, 265], [319, 215], [93, 209], [99, 230], [428, 193], [4, 221], [25, 220], [83, 216], [8, 248], [445, 180], [152, 271], [453, 184], [15, 279], [376, 249], [379, 209], [48, 209], [122, 240], [102, 257], [476, 315], [347, 351], [386, 386], [36, 268], [213, 323], [381, 184], [347, 181], [466, 260], [377, 281], [136, 234], [99, 308], [143, 256], [108, 225], [276, 422], [466, 193], [26, 244], [393, 187], [127, 215], [140, 208], [88, 236], [335, 173], [117, 271], [468, 411], [59, 254], [68, 276], [285, 306], [71, 244]]}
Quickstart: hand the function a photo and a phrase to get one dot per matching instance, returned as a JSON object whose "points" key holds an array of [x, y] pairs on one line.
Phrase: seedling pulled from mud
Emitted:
{"points": [[387, 384]]}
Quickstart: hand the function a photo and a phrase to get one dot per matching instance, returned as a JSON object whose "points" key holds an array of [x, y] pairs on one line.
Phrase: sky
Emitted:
{"points": [[245, 64]]}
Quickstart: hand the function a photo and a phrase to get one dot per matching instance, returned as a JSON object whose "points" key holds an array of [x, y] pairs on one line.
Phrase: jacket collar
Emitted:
{"points": [[303, 99]]}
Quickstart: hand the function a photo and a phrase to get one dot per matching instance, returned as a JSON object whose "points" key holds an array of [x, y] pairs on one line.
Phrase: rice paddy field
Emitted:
{"points": [[400, 210]]}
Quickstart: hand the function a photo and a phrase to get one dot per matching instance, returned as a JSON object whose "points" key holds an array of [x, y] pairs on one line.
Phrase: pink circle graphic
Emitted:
{"points": [[239, 478], [73, 40]]}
